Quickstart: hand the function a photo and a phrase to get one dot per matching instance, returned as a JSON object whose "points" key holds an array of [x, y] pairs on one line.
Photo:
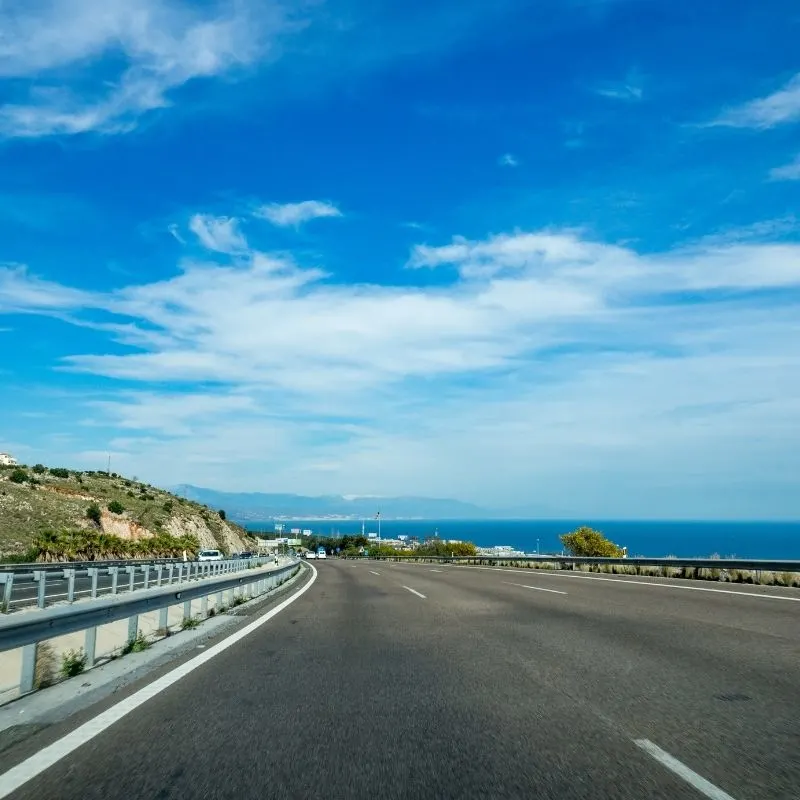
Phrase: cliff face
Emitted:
{"points": [[43, 501]]}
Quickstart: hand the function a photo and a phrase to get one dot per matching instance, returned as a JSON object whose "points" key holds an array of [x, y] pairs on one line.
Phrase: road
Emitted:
{"points": [[417, 681]]}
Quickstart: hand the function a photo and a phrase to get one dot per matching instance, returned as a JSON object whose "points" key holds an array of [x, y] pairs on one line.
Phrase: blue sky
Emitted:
{"points": [[528, 255]]}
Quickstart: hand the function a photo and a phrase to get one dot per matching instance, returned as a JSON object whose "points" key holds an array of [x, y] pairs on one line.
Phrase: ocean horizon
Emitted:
{"points": [[649, 538]]}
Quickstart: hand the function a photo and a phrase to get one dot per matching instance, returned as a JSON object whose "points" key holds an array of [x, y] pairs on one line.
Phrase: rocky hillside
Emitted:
{"points": [[38, 500]]}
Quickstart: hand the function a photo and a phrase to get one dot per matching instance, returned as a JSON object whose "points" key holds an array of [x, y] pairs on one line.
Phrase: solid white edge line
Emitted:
{"points": [[28, 769], [567, 574], [537, 588], [682, 771], [414, 591]]}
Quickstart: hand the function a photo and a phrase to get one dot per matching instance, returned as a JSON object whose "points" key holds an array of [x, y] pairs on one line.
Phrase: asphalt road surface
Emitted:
{"points": [[418, 681]]}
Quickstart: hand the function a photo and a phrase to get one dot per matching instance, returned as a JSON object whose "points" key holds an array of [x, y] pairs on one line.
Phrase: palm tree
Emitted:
{"points": [[49, 545]]}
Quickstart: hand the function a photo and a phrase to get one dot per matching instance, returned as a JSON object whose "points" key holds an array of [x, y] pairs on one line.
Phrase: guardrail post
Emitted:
{"points": [[41, 577], [133, 627], [92, 572], [204, 606], [69, 574], [163, 620], [146, 571], [28, 673], [132, 572], [114, 573], [89, 645], [187, 609], [7, 579], [169, 575]]}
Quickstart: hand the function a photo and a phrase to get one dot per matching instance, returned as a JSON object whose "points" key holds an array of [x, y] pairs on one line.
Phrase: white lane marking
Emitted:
{"points": [[374, 573], [565, 574], [414, 591], [37, 763], [434, 570], [538, 588], [682, 771]]}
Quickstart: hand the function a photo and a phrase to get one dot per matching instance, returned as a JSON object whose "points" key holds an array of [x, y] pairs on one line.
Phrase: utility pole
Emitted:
{"points": [[109, 464]]}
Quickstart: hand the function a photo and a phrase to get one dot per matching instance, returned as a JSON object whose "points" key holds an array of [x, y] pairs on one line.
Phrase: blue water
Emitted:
{"points": [[775, 540]]}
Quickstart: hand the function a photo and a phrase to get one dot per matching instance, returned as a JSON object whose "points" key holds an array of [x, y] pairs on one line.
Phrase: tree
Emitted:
{"points": [[60, 472], [586, 541], [39, 468], [115, 507], [18, 476], [94, 513], [168, 506], [222, 514]]}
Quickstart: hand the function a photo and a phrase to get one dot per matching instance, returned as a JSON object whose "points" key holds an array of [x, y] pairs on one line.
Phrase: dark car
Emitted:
{"points": [[246, 554]]}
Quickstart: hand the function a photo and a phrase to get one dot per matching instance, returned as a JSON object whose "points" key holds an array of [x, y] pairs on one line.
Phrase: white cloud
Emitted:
{"points": [[564, 363], [766, 112], [176, 234], [788, 172], [295, 214], [630, 89], [508, 160], [218, 233], [98, 65]]}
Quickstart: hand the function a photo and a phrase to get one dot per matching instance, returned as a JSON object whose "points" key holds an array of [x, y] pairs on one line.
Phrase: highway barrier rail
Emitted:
{"points": [[220, 588], [70, 581], [718, 568]]}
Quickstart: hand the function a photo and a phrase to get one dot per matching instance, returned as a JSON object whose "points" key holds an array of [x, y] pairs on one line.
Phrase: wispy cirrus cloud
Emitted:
{"points": [[508, 160], [543, 341], [221, 234], [296, 214], [630, 89], [74, 66], [787, 172], [781, 106]]}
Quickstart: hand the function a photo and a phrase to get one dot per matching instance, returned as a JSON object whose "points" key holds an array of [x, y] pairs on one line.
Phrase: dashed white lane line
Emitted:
{"points": [[537, 588], [414, 591], [682, 771], [25, 771], [622, 581], [374, 573], [434, 570]]}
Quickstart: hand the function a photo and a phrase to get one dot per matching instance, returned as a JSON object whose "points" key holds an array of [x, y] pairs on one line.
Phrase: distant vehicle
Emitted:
{"points": [[321, 552], [209, 555], [311, 554], [246, 554]]}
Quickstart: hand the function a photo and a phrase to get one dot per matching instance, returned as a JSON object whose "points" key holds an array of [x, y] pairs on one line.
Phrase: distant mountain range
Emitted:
{"points": [[253, 506]]}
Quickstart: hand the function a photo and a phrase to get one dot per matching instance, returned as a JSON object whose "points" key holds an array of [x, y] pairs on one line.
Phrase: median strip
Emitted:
{"points": [[537, 588], [414, 591], [682, 771]]}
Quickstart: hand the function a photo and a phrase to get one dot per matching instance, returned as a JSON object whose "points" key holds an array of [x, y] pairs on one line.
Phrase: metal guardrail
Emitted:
{"points": [[14, 584], [57, 565], [27, 630], [752, 565]]}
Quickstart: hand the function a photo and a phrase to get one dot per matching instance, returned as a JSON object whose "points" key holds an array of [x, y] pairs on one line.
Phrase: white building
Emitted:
{"points": [[7, 460]]}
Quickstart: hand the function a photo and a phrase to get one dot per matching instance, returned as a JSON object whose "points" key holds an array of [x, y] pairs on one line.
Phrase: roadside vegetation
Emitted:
{"points": [[55, 513], [586, 541]]}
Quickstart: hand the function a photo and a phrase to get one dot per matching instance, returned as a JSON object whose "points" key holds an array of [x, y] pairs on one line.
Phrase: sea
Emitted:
{"points": [[682, 539]]}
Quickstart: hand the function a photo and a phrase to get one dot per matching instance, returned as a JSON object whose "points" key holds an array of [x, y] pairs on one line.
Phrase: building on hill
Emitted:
{"points": [[7, 460]]}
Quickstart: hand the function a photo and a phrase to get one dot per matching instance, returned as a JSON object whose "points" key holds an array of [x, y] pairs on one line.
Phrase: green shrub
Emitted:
{"points": [[189, 622], [73, 663], [586, 541], [39, 469], [94, 513], [44, 668], [18, 476], [222, 514], [115, 507], [168, 506], [137, 645]]}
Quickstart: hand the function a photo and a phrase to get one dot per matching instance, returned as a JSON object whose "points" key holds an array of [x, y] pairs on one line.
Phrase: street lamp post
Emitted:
{"points": [[537, 547]]}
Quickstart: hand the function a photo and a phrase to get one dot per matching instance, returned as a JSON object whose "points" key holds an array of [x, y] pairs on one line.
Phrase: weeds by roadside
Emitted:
{"points": [[73, 662], [137, 645], [188, 623]]}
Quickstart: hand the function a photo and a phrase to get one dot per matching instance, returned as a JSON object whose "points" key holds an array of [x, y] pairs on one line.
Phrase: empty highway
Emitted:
{"points": [[424, 681]]}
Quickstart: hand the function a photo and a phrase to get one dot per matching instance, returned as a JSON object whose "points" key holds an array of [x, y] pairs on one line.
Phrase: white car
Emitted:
{"points": [[311, 554], [209, 555], [321, 553]]}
